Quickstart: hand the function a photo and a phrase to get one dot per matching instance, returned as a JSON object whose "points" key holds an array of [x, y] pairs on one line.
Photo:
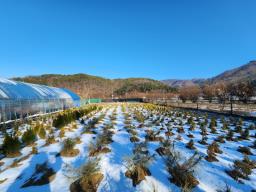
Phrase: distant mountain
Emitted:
{"points": [[181, 83], [88, 86], [243, 73]]}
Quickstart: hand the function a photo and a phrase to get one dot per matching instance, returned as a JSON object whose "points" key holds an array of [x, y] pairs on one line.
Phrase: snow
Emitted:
{"points": [[253, 114], [3, 95], [7, 81], [211, 175]]}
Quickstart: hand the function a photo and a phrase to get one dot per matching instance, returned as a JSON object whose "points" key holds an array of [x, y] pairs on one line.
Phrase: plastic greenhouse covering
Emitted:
{"points": [[18, 99]]}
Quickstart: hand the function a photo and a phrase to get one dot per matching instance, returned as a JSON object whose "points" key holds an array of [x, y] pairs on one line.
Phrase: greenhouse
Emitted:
{"points": [[19, 99]]}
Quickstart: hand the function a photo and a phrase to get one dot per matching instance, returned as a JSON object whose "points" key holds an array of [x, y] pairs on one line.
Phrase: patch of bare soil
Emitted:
{"points": [[137, 175], [1, 164], [134, 139], [87, 184], [211, 158], [97, 152], [15, 164], [183, 179], [49, 142], [70, 153], [169, 133], [24, 158], [13, 155]]}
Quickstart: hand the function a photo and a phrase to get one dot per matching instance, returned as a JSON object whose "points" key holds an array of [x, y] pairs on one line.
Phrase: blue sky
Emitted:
{"points": [[159, 39]]}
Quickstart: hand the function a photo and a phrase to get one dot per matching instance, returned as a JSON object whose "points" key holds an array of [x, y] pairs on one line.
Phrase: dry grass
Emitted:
{"points": [[181, 172], [137, 164], [68, 148], [242, 169]]}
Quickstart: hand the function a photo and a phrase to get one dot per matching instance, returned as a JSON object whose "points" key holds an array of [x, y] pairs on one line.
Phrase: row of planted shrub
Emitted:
{"points": [[66, 117], [12, 144]]}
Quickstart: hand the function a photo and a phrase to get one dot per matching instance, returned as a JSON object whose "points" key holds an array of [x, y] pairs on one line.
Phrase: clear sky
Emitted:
{"points": [[159, 39]]}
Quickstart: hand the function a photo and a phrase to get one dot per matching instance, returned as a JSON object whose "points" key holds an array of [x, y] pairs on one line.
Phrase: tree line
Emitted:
{"points": [[221, 91], [144, 87]]}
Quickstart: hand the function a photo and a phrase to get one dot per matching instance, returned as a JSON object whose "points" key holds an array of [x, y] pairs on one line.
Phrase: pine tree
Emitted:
{"points": [[28, 137], [245, 134], [11, 146]]}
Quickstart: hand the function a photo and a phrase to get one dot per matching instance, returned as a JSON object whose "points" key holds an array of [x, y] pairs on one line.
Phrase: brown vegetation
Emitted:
{"points": [[89, 177]]}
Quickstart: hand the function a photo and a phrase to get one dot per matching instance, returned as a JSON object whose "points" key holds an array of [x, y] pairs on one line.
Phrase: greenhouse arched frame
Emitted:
{"points": [[20, 100]]}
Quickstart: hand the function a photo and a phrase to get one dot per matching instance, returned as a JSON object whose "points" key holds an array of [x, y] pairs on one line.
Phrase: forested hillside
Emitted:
{"points": [[88, 86]]}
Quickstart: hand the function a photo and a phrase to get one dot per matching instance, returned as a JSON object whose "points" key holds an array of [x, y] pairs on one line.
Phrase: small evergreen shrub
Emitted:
{"points": [[245, 134], [137, 164], [88, 176], [241, 169], [230, 135], [182, 171], [68, 148], [68, 144], [211, 152], [203, 141], [42, 133], [244, 150], [34, 150], [11, 146], [29, 137], [50, 140], [190, 144]]}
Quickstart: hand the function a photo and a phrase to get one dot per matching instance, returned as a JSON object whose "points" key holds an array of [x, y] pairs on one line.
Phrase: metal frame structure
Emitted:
{"points": [[20, 100]]}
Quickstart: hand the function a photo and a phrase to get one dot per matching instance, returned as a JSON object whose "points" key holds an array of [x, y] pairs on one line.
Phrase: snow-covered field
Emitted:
{"points": [[211, 176]]}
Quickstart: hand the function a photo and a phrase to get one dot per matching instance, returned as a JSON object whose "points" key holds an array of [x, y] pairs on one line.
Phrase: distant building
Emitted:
{"points": [[18, 99]]}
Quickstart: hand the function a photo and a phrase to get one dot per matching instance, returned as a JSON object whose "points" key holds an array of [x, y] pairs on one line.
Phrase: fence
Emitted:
{"points": [[88, 101], [123, 100], [236, 107]]}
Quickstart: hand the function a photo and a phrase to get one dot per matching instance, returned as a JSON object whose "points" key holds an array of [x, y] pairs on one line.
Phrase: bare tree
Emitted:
{"points": [[191, 93], [220, 91], [208, 92], [184, 94], [244, 90], [231, 95]]}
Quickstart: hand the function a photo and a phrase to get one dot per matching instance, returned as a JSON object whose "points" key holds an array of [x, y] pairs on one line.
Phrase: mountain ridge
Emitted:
{"points": [[90, 86], [241, 73]]}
